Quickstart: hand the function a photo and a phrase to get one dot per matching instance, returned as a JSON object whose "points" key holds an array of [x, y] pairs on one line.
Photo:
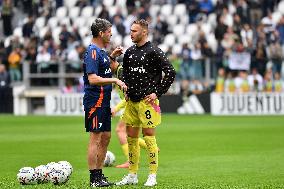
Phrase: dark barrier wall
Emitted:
{"points": [[170, 103], [6, 100]]}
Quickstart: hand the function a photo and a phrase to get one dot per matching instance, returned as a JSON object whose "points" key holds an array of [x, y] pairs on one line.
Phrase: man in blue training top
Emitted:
{"points": [[98, 67]]}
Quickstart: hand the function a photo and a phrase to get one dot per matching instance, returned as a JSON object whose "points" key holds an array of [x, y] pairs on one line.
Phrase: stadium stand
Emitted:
{"points": [[236, 35]]}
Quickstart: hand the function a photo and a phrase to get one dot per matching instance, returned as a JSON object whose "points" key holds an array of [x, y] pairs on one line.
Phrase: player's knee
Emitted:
{"points": [[105, 138]]}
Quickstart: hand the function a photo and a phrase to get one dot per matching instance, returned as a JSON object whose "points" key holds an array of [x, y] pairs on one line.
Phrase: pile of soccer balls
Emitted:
{"points": [[56, 173]]}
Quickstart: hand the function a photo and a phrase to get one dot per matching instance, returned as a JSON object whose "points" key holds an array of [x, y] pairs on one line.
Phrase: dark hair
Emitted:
{"points": [[99, 25], [143, 23]]}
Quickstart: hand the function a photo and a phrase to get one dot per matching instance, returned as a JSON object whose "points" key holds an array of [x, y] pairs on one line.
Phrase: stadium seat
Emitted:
{"points": [[98, 10], [42, 31], [55, 34], [211, 19], [87, 11], [182, 39], [191, 29], [184, 20], [206, 28], [281, 7], [40, 22], [90, 21], [108, 3], [166, 10], [170, 39], [163, 47], [61, 12], [178, 30], [176, 49], [65, 21], [180, 10], [212, 41], [74, 12], [153, 10], [276, 16], [83, 31], [52, 22], [112, 10], [117, 40], [172, 20], [18, 32], [87, 41], [79, 22], [70, 3], [127, 42]]}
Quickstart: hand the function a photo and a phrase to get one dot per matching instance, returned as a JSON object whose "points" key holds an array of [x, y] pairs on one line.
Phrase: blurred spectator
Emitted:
{"points": [[259, 58], [161, 27], [14, 60], [196, 57], [229, 38], [196, 87], [3, 54], [104, 13], [4, 77], [255, 12], [69, 88], [255, 81], [230, 85], [206, 6], [280, 29], [185, 70], [43, 59], [268, 24], [241, 82], [45, 8], [246, 35], [7, 15], [73, 58], [220, 29], [28, 27], [220, 81], [64, 37], [237, 26], [243, 11], [193, 9], [267, 81], [275, 55], [278, 83], [176, 61], [118, 23]]}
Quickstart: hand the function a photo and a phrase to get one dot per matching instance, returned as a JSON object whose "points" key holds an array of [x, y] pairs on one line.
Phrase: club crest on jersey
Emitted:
{"points": [[108, 71], [138, 69]]}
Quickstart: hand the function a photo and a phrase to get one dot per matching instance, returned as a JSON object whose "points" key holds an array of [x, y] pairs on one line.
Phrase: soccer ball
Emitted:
{"points": [[109, 159], [65, 165], [26, 175], [52, 166], [59, 176], [41, 174]]}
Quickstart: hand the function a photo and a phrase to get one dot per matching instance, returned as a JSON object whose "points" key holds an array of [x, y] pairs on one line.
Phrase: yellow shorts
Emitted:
{"points": [[142, 114]]}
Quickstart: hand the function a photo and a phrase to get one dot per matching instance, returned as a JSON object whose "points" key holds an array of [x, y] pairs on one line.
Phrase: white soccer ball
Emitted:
{"points": [[41, 174], [65, 165], [52, 166], [58, 177], [109, 159], [26, 175]]}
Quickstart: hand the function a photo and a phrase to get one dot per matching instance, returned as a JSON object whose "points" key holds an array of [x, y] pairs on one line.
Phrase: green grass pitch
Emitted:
{"points": [[196, 151]]}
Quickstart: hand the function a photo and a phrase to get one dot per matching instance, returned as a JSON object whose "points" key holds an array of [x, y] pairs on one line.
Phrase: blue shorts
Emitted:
{"points": [[98, 119]]}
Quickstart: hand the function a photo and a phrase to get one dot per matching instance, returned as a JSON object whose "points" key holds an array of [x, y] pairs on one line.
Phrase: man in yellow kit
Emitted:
{"points": [[121, 126], [143, 64]]}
